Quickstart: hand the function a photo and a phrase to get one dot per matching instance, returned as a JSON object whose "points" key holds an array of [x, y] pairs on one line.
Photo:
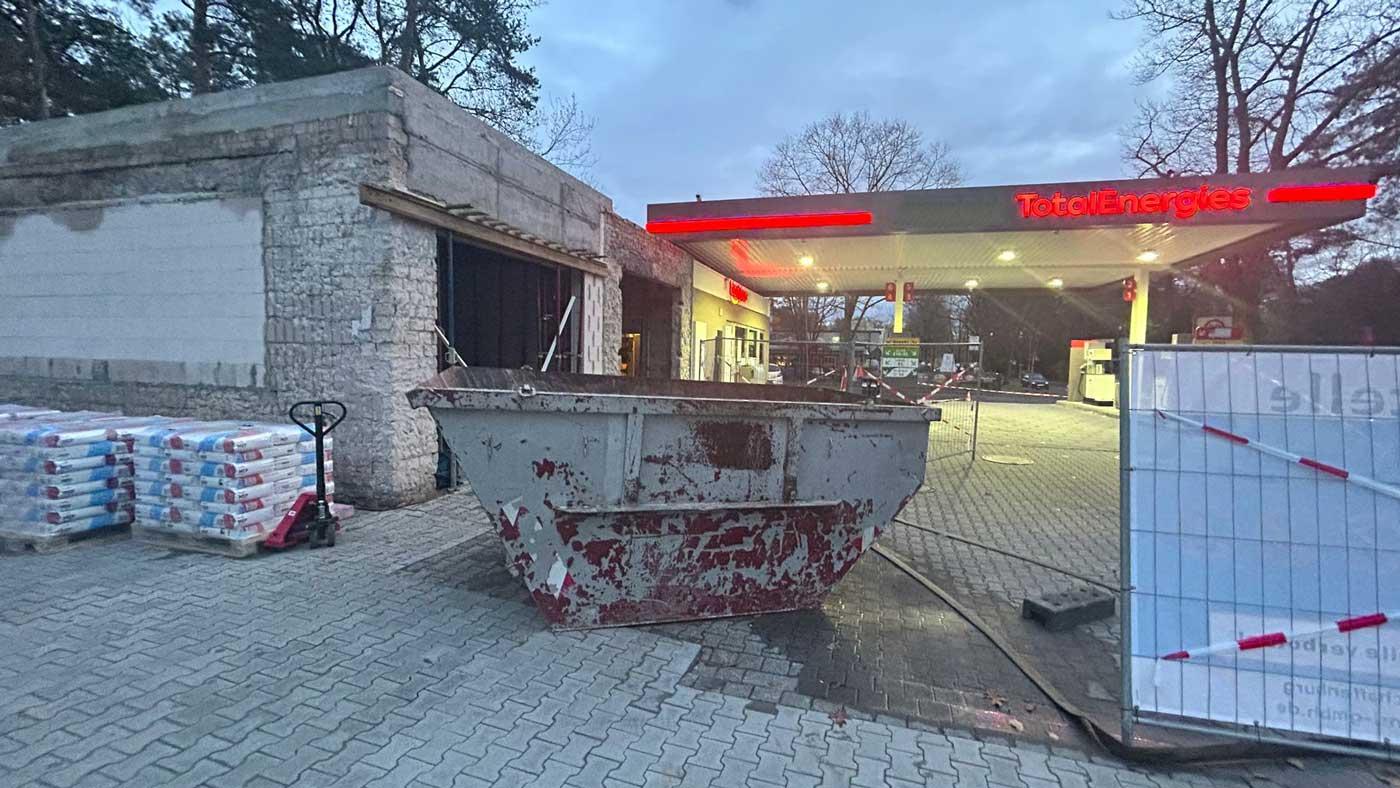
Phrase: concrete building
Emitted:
{"points": [[227, 255]]}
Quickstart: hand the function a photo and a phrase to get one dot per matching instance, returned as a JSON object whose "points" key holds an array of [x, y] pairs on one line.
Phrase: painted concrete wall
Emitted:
{"points": [[350, 292], [712, 306], [175, 281]]}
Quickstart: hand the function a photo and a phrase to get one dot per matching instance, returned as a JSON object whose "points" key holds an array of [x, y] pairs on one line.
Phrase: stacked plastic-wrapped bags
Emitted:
{"points": [[230, 481], [62, 474]]}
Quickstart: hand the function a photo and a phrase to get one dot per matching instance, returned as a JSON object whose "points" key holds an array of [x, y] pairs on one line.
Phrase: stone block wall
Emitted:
{"points": [[350, 291], [633, 250]]}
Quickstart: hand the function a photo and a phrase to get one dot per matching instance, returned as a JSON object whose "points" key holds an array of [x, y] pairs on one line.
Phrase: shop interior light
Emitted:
{"points": [[1149, 256], [970, 284], [823, 286], [1007, 255], [805, 261], [1056, 283]]}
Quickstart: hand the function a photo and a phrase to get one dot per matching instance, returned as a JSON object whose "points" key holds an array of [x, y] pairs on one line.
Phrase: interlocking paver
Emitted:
{"points": [[443, 774], [428, 667], [73, 773]]}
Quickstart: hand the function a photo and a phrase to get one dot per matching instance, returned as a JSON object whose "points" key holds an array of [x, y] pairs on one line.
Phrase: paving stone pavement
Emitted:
{"points": [[1061, 509], [406, 656]]}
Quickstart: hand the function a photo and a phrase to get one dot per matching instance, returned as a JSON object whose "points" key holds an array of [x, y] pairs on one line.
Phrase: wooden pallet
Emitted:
{"points": [[196, 541], [13, 542]]}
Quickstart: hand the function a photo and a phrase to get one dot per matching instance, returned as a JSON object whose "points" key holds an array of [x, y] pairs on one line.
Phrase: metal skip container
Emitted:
{"points": [[627, 501]]}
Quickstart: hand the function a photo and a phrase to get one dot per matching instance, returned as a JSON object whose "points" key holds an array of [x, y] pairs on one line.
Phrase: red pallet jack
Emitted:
{"points": [[310, 518]]}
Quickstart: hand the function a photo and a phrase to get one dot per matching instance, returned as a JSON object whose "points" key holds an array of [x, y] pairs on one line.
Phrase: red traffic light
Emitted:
{"points": [[1129, 289], [889, 291], [908, 292]]}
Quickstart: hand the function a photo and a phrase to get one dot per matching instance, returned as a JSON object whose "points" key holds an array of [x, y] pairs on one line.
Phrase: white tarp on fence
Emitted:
{"points": [[1262, 511]]}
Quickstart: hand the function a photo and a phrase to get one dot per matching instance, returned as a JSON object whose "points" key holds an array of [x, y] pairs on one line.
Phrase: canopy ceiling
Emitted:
{"points": [[999, 237]]}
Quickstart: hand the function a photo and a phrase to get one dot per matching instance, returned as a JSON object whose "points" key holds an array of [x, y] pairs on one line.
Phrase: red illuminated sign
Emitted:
{"points": [[737, 293], [1323, 192], [1110, 202], [770, 222]]}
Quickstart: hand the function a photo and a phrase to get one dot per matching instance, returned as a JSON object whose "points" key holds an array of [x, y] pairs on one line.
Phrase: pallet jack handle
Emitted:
{"points": [[321, 410]]}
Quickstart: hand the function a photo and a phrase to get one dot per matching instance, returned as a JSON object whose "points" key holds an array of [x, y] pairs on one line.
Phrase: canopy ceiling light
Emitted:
{"points": [[805, 261], [1149, 256], [1007, 255]]}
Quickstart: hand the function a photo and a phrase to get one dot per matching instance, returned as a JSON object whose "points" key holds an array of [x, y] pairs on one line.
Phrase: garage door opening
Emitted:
{"points": [[500, 310], [650, 343]]}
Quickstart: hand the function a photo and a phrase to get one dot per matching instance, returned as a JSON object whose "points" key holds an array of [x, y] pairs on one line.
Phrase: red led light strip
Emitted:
{"points": [[772, 222], [1323, 192]]}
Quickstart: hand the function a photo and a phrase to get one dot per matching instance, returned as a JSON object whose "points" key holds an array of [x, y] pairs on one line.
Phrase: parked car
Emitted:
{"points": [[775, 375], [1035, 380], [986, 379]]}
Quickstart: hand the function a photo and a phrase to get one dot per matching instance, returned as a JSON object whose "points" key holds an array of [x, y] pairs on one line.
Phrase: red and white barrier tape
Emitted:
{"points": [[862, 372], [1268, 639], [823, 375], [1023, 393], [1317, 465], [956, 377]]}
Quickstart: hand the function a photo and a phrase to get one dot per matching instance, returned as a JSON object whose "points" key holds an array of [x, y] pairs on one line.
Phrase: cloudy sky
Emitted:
{"points": [[690, 95]]}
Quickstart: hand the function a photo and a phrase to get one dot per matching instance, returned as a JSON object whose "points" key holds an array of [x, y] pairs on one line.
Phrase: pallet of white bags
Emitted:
{"points": [[19, 542], [197, 541]]}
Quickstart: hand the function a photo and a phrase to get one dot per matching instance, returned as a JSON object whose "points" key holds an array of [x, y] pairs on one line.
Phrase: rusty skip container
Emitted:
{"points": [[626, 501]]}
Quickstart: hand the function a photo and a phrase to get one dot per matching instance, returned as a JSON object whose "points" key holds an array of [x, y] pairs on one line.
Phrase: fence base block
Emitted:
{"points": [[1065, 609]]}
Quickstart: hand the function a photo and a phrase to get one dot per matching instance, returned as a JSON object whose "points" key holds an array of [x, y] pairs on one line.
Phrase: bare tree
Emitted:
{"points": [[1259, 84], [563, 133], [844, 153], [1265, 85]]}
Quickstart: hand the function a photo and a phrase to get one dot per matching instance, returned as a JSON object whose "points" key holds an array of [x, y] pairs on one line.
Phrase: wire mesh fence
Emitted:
{"points": [[946, 375], [1261, 536]]}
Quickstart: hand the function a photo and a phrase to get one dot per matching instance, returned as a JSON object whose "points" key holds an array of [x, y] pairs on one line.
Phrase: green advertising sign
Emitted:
{"points": [[900, 357]]}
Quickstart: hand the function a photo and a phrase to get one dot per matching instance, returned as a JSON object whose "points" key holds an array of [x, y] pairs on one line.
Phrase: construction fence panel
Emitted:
{"points": [[1261, 528], [946, 375]]}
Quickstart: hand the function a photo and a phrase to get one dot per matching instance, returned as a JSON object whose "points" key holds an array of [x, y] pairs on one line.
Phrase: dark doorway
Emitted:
{"points": [[504, 311], [498, 310], [650, 346]]}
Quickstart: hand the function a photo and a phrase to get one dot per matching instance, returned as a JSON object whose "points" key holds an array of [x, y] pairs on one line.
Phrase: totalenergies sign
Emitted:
{"points": [[737, 293], [1183, 204]]}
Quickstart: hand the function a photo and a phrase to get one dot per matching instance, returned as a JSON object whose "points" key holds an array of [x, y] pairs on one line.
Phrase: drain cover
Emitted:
{"points": [[1007, 459]]}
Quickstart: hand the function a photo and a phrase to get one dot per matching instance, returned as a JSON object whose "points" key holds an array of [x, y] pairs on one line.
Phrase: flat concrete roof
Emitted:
{"points": [[1071, 235]]}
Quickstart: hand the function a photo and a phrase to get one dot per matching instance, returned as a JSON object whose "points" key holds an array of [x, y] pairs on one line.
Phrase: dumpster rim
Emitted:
{"points": [[440, 396]]}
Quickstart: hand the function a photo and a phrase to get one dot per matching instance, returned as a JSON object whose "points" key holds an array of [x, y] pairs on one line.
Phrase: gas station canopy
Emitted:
{"points": [[1070, 235]]}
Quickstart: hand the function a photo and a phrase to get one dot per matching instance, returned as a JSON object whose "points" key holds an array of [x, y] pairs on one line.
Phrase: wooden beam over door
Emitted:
{"points": [[509, 240]]}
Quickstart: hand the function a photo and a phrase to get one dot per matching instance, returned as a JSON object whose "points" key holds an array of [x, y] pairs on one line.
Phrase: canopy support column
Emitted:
{"points": [[899, 304], [1137, 319]]}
